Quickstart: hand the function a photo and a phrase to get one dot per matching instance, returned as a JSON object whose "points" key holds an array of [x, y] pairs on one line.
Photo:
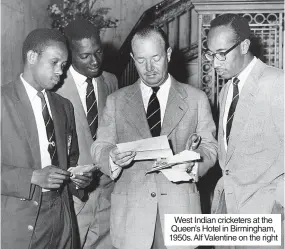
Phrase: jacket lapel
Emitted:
{"points": [[175, 108], [59, 120], [134, 110], [244, 107], [25, 112], [222, 149], [69, 90]]}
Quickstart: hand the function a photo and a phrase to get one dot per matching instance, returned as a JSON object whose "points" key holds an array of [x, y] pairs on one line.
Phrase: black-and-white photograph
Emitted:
{"points": [[142, 124]]}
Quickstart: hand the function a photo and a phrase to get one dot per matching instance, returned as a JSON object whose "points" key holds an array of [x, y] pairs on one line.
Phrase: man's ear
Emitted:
{"points": [[32, 56], [168, 52], [245, 46]]}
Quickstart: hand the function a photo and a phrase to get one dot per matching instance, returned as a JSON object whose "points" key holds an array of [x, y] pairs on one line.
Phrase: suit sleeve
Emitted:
{"points": [[106, 138], [277, 106], [15, 180], [206, 128], [111, 82]]}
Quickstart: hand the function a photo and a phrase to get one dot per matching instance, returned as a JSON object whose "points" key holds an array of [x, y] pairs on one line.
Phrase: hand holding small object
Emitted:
{"points": [[192, 144], [82, 174]]}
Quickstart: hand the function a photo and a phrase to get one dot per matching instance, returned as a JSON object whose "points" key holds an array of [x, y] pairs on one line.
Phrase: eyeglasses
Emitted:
{"points": [[221, 56]]}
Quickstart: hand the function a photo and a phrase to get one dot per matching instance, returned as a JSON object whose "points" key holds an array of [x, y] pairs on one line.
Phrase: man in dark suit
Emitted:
{"points": [[87, 87], [39, 143], [155, 105]]}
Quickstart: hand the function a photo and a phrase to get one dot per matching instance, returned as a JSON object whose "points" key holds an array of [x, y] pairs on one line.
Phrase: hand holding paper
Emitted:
{"points": [[181, 158], [122, 159], [83, 169], [82, 174], [149, 148]]}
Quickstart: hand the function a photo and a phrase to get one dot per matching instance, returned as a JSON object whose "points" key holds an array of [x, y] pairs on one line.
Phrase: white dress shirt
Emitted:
{"points": [[242, 78], [41, 127], [81, 84]]}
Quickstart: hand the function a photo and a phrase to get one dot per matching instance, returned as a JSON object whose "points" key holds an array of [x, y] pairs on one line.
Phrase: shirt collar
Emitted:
{"points": [[245, 72], [162, 88], [31, 91], [78, 77]]}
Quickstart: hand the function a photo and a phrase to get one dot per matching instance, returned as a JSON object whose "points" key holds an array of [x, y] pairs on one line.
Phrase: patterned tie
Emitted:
{"points": [[153, 113], [232, 107], [92, 111], [50, 131]]}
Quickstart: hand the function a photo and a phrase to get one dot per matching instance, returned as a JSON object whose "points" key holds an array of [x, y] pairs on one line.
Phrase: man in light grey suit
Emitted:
{"points": [[139, 201], [86, 53], [251, 125]]}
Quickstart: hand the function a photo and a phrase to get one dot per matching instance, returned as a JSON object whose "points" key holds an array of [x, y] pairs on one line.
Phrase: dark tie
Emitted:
{"points": [[92, 110], [232, 107], [50, 131], [153, 114]]}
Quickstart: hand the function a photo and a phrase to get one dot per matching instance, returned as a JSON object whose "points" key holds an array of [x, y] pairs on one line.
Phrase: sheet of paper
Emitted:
{"points": [[180, 158], [81, 169], [149, 148], [178, 173]]}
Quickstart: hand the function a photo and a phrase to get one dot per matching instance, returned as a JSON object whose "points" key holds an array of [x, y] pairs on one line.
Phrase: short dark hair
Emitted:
{"points": [[79, 29], [39, 39], [148, 30], [238, 24]]}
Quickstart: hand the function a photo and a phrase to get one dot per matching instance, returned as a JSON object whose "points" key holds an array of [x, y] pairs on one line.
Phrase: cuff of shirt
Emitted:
{"points": [[115, 170]]}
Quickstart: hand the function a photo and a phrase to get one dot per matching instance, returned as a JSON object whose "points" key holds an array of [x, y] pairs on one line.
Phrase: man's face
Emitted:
{"points": [[87, 56], [47, 66], [151, 59], [221, 39]]}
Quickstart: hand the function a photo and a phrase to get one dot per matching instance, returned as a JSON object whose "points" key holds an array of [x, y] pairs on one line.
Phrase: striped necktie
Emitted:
{"points": [[153, 113], [92, 110], [50, 131], [232, 107]]}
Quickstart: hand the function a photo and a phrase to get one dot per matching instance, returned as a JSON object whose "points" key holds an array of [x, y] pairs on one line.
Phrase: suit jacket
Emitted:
{"points": [[137, 197], [253, 165], [106, 84], [21, 200]]}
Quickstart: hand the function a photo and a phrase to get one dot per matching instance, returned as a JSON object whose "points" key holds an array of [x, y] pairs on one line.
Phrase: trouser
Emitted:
{"points": [[93, 219], [53, 226], [158, 241]]}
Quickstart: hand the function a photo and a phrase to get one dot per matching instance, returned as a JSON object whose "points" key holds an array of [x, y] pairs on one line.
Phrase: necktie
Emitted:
{"points": [[92, 111], [232, 107], [153, 113], [50, 131]]}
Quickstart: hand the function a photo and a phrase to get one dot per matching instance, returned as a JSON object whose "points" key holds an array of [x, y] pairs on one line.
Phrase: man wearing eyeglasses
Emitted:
{"points": [[251, 124]]}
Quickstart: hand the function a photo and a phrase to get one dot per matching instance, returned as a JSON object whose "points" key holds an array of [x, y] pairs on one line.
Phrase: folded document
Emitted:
{"points": [[174, 167], [149, 148]]}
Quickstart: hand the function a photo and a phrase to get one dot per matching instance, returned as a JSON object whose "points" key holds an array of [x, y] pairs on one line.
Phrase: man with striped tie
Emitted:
{"points": [[155, 105], [39, 143], [251, 132], [87, 87]]}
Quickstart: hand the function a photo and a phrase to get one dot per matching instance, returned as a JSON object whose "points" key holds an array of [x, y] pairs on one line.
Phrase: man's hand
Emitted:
{"points": [[122, 159], [50, 177], [190, 167], [82, 175], [82, 180]]}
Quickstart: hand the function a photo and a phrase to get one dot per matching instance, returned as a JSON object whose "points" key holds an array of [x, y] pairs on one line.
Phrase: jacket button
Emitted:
{"points": [[227, 172], [22, 199], [35, 203], [153, 194], [30, 227]]}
